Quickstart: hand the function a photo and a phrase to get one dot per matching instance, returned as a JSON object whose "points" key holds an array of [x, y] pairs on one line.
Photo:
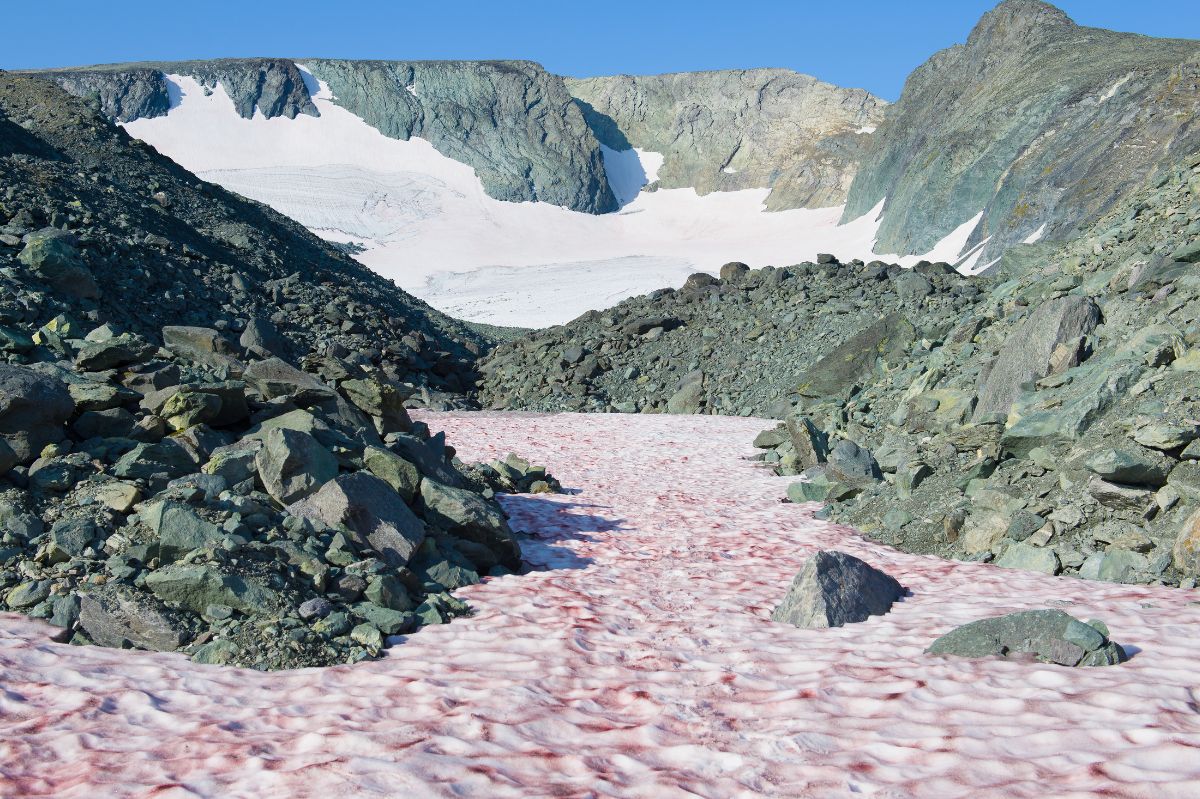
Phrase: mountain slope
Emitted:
{"points": [[738, 129], [1037, 122], [165, 248], [511, 121]]}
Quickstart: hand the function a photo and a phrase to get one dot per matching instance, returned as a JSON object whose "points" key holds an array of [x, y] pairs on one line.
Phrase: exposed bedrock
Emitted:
{"points": [[1034, 121], [511, 121], [738, 129]]}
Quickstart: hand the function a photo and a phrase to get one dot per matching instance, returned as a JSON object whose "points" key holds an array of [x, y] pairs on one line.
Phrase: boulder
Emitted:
{"points": [[1025, 356], [262, 339], [1130, 465], [371, 511], [1050, 636], [120, 617], [122, 350], [382, 401], [197, 587], [469, 516], [186, 408], [33, 410], [401, 475], [1186, 551], [689, 398], [1030, 558], [51, 255], [178, 529], [167, 458], [853, 465], [811, 445], [848, 364], [293, 465], [273, 378], [834, 589], [201, 345]]}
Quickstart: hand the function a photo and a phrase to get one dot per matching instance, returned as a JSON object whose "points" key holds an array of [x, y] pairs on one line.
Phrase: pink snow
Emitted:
{"points": [[638, 660]]}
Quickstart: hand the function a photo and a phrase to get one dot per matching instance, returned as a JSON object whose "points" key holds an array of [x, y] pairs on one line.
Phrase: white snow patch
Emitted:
{"points": [[1112, 90], [865, 129], [729, 170], [430, 226], [411, 89], [1036, 235]]}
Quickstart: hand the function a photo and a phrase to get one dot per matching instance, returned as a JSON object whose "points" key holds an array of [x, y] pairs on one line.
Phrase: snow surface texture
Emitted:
{"points": [[639, 661], [429, 225]]}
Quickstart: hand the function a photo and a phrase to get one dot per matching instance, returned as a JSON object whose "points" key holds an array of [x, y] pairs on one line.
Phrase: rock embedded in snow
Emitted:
{"points": [[1051, 636], [834, 589]]}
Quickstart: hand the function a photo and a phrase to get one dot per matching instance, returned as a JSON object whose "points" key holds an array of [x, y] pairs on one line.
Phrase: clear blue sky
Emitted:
{"points": [[871, 44]]}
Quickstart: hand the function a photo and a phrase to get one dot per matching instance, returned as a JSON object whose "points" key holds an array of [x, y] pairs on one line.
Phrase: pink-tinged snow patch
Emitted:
{"points": [[640, 661]]}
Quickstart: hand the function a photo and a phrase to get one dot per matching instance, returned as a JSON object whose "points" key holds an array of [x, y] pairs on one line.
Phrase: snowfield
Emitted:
{"points": [[638, 660], [429, 226]]}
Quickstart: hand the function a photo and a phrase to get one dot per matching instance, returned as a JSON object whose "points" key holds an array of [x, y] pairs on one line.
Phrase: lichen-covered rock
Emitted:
{"points": [[1050, 636]]}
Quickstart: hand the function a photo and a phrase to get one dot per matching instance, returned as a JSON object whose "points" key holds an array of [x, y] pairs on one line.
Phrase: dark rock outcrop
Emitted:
{"points": [[835, 589]]}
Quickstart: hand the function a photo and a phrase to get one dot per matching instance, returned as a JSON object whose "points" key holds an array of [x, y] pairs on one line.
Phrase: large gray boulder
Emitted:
{"points": [[197, 587], [834, 589], [1025, 356], [201, 345], [178, 529], [1050, 636], [292, 465], [469, 516], [848, 364], [33, 410], [274, 378], [371, 511], [51, 255]]}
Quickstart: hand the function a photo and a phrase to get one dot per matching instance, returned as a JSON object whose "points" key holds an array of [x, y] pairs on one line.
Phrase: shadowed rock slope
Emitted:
{"points": [[738, 129], [1034, 121], [159, 246], [204, 441]]}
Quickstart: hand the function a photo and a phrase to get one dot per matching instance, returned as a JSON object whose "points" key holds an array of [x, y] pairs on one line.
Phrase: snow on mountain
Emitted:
{"points": [[428, 224]]}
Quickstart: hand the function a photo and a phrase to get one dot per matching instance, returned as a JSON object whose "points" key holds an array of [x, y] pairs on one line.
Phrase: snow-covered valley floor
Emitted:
{"points": [[639, 661]]}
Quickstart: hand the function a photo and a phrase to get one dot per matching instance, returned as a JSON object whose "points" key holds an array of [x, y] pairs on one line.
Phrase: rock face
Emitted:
{"points": [[511, 121], [738, 129], [834, 589], [1050, 636], [33, 410], [1033, 121]]}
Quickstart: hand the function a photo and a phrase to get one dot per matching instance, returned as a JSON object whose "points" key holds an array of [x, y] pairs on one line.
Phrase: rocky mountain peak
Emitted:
{"points": [[1015, 22]]}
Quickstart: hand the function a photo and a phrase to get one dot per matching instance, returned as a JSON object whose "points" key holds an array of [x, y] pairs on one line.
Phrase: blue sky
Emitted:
{"points": [[871, 44]]}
